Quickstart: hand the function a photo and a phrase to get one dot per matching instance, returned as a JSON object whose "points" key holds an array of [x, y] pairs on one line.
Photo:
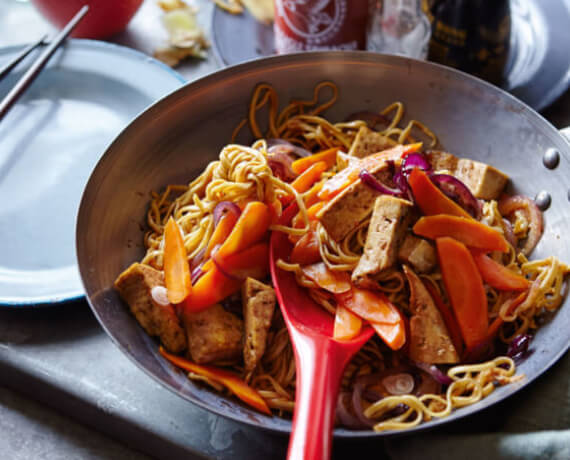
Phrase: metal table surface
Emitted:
{"points": [[57, 366]]}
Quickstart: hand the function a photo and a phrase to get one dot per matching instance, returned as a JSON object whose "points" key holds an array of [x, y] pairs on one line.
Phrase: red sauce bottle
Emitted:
{"points": [[304, 25]]}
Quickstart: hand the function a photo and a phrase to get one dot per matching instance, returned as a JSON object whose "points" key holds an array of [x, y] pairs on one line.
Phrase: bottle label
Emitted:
{"points": [[302, 25]]}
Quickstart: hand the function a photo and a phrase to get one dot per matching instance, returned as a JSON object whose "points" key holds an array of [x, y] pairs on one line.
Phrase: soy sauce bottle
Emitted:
{"points": [[470, 35]]}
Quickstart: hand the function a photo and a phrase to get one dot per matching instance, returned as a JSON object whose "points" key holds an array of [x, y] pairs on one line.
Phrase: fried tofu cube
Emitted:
{"points": [[484, 181], [368, 142], [214, 335], [349, 208], [418, 253], [258, 301], [135, 285], [442, 161], [388, 226], [429, 340]]}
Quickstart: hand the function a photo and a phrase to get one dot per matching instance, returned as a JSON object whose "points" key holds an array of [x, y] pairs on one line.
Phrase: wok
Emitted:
{"points": [[172, 141]]}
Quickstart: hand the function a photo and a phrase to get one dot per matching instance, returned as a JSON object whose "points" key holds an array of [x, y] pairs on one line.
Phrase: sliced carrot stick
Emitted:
{"points": [[467, 230], [306, 250], [176, 268], [497, 275], [346, 324], [336, 282], [465, 289], [430, 199], [249, 229], [306, 180], [394, 335], [230, 380], [369, 305], [211, 288], [251, 262], [302, 164], [221, 233]]}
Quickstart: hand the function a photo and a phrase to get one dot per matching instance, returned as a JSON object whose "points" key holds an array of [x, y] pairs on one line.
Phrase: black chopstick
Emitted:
{"points": [[30, 75], [14, 62]]}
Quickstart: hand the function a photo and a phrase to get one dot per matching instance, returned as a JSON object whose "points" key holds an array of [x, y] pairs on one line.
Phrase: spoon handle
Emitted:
{"points": [[319, 372]]}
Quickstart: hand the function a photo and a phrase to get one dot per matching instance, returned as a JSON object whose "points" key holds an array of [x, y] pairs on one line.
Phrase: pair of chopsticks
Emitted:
{"points": [[30, 75]]}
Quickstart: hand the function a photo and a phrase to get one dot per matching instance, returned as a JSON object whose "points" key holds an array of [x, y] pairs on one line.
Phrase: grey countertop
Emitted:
{"points": [[68, 392]]}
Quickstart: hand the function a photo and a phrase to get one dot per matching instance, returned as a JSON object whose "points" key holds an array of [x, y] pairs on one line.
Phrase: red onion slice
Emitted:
{"points": [[458, 192], [415, 160], [510, 204], [196, 273], [399, 384], [280, 164], [375, 184], [343, 413], [160, 295], [281, 145], [224, 207], [518, 348], [435, 372]]}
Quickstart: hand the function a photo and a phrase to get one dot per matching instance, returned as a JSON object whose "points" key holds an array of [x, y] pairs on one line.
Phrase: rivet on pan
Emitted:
{"points": [[543, 200], [551, 158]]}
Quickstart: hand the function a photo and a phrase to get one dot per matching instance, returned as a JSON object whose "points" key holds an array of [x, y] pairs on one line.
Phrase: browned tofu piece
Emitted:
{"points": [[388, 227], [354, 204], [368, 142], [258, 306], [442, 161], [134, 286], [430, 341], [417, 252], [214, 335], [484, 181]]}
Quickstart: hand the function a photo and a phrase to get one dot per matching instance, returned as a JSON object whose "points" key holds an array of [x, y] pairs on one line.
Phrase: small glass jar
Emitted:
{"points": [[398, 27]]}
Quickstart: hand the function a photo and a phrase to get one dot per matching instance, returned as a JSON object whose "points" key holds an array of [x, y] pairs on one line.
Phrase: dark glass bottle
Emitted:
{"points": [[471, 35]]}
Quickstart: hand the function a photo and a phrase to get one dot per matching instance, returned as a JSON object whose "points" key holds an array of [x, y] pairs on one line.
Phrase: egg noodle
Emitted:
{"points": [[243, 173]]}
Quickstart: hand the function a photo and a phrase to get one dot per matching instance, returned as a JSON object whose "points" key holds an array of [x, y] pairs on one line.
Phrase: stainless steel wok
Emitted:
{"points": [[173, 140]]}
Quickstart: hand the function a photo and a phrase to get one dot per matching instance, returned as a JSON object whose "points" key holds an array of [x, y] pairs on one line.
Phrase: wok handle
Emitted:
{"points": [[566, 133], [319, 372]]}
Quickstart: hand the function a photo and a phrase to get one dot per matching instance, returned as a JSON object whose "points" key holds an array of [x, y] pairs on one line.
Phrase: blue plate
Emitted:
{"points": [[49, 143]]}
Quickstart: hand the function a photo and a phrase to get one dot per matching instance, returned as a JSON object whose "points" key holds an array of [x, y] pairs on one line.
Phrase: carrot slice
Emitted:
{"points": [[230, 380], [176, 268], [346, 324], [221, 233], [302, 164], [369, 305], [306, 180], [394, 335], [497, 275], [382, 315], [330, 280], [251, 262], [430, 199], [465, 289], [249, 229], [210, 289], [306, 250], [467, 230]]}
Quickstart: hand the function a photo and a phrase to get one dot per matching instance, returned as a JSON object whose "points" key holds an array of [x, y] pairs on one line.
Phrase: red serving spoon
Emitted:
{"points": [[319, 358]]}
